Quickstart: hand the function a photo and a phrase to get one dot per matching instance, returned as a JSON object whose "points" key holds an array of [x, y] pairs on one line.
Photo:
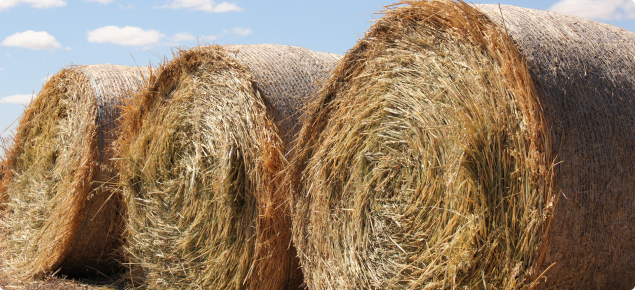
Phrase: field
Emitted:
{"points": [[55, 283]]}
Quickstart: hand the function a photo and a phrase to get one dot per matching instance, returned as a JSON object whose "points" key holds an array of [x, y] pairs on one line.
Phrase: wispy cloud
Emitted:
{"points": [[1, 68], [182, 37], [238, 31], [101, 1], [241, 31], [40, 4], [17, 99], [135, 36], [597, 9], [32, 39], [209, 38], [203, 5], [126, 36]]}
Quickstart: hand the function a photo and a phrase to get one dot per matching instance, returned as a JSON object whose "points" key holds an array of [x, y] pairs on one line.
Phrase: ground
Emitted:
{"points": [[50, 283], [57, 283]]}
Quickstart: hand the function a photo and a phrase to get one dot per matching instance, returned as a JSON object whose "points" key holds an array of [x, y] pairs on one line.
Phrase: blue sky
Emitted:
{"points": [[40, 37]]}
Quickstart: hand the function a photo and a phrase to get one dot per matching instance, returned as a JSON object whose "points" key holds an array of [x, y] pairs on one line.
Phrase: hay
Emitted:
{"points": [[61, 212], [201, 152], [450, 151]]}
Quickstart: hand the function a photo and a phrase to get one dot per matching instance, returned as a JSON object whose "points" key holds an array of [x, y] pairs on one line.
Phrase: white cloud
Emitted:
{"points": [[127, 36], [226, 7], [17, 99], [597, 9], [207, 38], [236, 30], [180, 38], [242, 31], [204, 5], [134, 36], [1, 68], [183, 36], [46, 78], [101, 1], [31, 39], [40, 4]]}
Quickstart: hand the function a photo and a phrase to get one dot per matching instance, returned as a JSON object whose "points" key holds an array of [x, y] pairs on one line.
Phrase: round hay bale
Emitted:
{"points": [[62, 211], [202, 149], [457, 147]]}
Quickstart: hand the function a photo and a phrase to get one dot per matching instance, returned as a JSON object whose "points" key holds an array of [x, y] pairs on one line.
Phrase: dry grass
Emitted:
{"points": [[585, 73], [424, 164], [60, 213], [201, 150], [51, 283], [199, 154]]}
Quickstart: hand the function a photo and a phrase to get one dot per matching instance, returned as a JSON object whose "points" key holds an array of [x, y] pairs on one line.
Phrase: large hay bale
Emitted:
{"points": [[201, 152], [449, 150], [62, 212]]}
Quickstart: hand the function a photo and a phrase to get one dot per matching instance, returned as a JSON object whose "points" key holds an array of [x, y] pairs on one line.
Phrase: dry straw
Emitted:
{"points": [[458, 148], [61, 211], [201, 150]]}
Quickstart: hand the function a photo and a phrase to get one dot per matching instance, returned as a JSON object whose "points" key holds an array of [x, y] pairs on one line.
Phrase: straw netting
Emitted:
{"points": [[62, 212], [286, 75], [450, 151], [586, 72], [201, 150]]}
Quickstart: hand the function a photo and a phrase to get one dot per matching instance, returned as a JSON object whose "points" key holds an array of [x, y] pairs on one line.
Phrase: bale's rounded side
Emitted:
{"points": [[202, 151], [425, 164], [61, 211], [286, 76], [477, 149], [585, 73], [194, 169]]}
